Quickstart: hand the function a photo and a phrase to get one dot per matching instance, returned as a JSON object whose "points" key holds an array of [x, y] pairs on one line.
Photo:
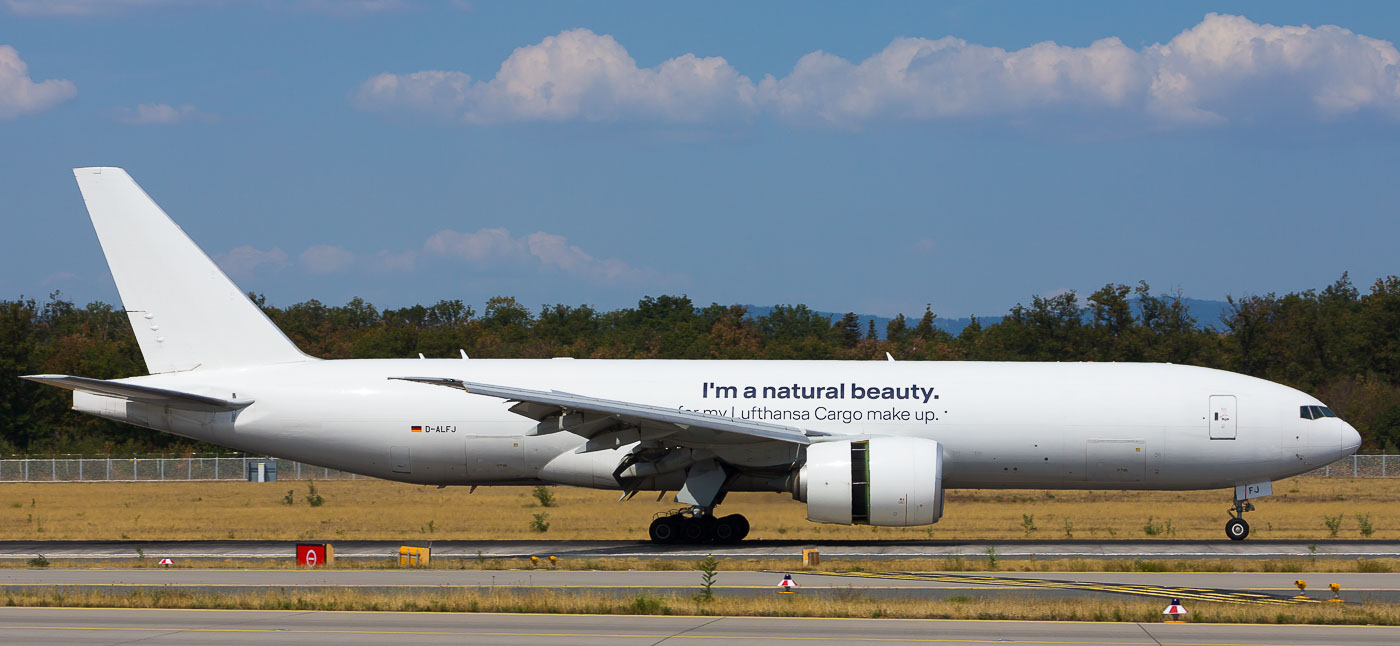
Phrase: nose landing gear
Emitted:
{"points": [[1236, 528]]}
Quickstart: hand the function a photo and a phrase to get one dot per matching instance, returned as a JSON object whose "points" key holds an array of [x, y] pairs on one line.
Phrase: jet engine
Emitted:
{"points": [[889, 481]]}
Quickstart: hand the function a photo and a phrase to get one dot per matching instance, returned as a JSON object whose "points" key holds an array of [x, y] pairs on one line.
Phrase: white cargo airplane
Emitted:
{"points": [[861, 442]]}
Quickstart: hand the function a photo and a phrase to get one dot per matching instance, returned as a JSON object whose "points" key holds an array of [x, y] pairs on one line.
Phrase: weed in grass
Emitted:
{"points": [[544, 495], [1372, 566], [290, 498], [991, 558], [39, 561], [1028, 523], [540, 523], [17, 505], [313, 497], [1069, 528], [1333, 523], [429, 526], [1363, 523]]}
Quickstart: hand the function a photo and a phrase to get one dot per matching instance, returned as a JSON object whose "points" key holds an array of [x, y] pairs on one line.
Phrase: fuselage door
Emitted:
{"points": [[1222, 417]]}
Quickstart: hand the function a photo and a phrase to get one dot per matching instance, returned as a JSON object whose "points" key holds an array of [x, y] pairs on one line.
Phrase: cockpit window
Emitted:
{"points": [[1315, 412]]}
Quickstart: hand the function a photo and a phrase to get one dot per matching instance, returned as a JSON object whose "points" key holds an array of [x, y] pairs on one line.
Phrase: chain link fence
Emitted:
{"points": [[1361, 466], [83, 468]]}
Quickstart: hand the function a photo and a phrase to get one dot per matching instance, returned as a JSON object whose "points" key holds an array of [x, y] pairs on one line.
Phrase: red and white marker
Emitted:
{"points": [[1174, 611], [787, 586], [167, 562]]}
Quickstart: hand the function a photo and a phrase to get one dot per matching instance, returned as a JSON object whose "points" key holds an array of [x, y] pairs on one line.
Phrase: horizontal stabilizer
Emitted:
{"points": [[143, 394]]}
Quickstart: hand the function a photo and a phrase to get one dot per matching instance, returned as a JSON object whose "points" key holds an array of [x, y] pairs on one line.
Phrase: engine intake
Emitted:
{"points": [[887, 481]]}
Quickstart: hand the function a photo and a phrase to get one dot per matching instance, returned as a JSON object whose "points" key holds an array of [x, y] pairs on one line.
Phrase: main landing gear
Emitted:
{"points": [[695, 527], [1236, 528]]}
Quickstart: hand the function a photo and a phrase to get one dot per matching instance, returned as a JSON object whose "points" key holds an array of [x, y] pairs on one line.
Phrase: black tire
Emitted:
{"points": [[664, 530], [1237, 529], [743, 526], [692, 531], [726, 530]]}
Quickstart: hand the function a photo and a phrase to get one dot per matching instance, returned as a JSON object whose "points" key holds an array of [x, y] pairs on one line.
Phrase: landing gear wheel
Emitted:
{"points": [[693, 530], [1237, 529], [741, 526], [726, 530], [665, 530]]}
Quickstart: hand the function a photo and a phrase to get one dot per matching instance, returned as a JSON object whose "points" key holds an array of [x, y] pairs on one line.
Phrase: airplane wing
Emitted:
{"points": [[143, 394], [608, 423]]}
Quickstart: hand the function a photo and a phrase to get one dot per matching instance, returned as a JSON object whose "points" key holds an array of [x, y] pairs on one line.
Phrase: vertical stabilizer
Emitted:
{"points": [[186, 313]]}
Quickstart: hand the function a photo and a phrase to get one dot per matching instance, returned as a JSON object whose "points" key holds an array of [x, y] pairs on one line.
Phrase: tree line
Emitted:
{"points": [[1338, 343]]}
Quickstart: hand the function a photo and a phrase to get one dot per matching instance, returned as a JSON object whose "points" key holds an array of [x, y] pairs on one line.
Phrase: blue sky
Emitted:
{"points": [[874, 159]]}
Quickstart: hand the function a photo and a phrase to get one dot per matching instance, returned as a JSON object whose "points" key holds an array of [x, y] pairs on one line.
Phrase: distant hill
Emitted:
{"points": [[1207, 315]]}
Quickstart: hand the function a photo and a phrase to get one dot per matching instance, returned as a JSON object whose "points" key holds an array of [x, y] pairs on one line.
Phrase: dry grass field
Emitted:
{"points": [[853, 604], [372, 509]]}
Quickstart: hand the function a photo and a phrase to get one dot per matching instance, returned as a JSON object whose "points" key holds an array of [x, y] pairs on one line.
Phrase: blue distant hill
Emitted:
{"points": [[1207, 315]]}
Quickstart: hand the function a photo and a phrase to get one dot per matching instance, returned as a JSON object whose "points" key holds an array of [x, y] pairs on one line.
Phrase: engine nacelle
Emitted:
{"points": [[889, 481]]}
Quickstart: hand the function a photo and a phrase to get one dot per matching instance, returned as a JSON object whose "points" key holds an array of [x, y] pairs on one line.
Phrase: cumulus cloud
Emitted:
{"points": [[576, 75], [1226, 69], [247, 260], [148, 114], [545, 249], [19, 94], [327, 259]]}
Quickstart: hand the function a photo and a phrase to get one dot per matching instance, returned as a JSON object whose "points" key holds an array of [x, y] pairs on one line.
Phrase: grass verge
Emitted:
{"points": [[849, 605], [970, 564]]}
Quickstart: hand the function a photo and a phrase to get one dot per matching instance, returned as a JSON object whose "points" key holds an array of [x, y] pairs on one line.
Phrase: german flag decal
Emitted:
{"points": [[416, 429]]}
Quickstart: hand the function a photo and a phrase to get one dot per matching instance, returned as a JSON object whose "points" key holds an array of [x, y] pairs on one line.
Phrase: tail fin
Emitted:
{"points": [[186, 313]]}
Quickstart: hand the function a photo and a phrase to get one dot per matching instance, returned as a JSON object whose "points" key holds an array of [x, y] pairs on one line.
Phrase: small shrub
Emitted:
{"points": [[544, 495], [1069, 528], [313, 497], [290, 498], [39, 561], [1028, 523], [1333, 523], [1363, 522], [991, 558], [708, 568], [1153, 528], [540, 523], [430, 526], [645, 604]]}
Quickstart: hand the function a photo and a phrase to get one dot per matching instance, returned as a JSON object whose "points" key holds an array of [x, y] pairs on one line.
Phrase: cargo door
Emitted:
{"points": [[1116, 460], [494, 458], [1222, 417]]}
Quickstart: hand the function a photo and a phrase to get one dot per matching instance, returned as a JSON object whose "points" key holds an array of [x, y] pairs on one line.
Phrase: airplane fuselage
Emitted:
{"points": [[1001, 425]]}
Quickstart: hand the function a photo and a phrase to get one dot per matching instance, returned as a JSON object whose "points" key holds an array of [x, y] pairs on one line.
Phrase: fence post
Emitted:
{"points": [[1353, 466], [53, 469], [80, 468], [26, 469]]}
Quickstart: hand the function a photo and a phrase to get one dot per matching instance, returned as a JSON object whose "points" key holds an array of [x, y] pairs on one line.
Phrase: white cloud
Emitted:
{"points": [[19, 94], [327, 259], [575, 76], [1226, 69], [546, 249], [160, 114], [247, 260]]}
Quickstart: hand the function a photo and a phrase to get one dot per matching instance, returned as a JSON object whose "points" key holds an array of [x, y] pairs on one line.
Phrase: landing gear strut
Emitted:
{"points": [[696, 527], [1236, 528]]}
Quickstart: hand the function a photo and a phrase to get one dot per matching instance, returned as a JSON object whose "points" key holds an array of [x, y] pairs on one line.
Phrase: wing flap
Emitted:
{"points": [[654, 420], [143, 394]]}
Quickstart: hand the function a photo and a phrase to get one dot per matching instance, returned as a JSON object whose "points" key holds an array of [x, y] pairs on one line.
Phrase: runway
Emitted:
{"points": [[450, 549], [1250, 588], [118, 626]]}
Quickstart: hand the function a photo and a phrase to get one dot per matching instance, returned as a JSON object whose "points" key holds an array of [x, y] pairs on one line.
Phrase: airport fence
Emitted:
{"points": [[87, 468]]}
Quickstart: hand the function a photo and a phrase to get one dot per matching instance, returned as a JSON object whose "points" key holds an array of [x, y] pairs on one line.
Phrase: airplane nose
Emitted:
{"points": [[1351, 440]]}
